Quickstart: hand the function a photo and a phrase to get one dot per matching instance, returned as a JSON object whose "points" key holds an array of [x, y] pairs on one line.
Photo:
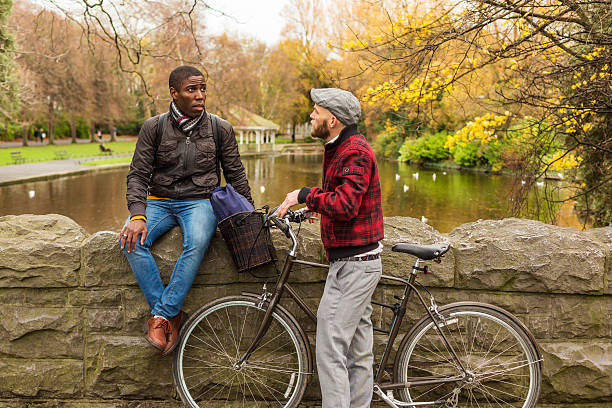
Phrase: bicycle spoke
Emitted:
{"points": [[500, 368], [271, 390], [272, 375], [231, 330]]}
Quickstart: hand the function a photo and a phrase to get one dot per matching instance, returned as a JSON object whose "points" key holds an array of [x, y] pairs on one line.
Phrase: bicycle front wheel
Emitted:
{"points": [[502, 364], [215, 338]]}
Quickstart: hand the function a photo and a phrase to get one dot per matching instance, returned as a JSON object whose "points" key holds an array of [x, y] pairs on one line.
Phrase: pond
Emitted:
{"points": [[446, 199]]}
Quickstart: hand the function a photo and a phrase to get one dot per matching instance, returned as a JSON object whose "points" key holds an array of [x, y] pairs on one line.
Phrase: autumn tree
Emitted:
{"points": [[9, 102], [553, 64]]}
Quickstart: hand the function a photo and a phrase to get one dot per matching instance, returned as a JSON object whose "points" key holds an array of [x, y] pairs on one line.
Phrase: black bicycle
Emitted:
{"points": [[250, 351]]}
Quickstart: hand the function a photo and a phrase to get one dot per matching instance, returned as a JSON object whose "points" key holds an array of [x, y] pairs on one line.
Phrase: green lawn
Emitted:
{"points": [[56, 152], [114, 160]]}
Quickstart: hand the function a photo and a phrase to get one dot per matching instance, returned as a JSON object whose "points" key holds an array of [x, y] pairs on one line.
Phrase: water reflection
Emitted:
{"points": [[97, 200]]}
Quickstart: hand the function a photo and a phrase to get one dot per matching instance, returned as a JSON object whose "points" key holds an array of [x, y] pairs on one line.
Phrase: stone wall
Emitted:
{"points": [[72, 313]]}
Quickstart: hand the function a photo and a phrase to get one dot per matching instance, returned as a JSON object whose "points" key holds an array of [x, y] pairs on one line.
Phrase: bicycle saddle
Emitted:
{"points": [[424, 252]]}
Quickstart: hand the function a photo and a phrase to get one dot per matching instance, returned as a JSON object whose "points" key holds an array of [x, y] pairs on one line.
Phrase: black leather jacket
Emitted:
{"points": [[184, 167]]}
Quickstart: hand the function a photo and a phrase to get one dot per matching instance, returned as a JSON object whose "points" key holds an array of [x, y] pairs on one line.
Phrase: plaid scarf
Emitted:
{"points": [[184, 122]]}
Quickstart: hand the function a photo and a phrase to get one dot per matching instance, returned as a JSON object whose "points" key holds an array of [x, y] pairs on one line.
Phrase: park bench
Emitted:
{"points": [[17, 158], [61, 155]]}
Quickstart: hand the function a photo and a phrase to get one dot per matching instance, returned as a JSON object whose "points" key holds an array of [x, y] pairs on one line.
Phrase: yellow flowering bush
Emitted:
{"points": [[481, 130], [561, 161]]}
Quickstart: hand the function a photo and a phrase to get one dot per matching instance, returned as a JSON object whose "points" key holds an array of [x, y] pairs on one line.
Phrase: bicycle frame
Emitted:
{"points": [[399, 310]]}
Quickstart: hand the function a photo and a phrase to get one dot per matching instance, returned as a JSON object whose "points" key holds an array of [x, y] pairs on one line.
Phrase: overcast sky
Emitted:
{"points": [[256, 18]]}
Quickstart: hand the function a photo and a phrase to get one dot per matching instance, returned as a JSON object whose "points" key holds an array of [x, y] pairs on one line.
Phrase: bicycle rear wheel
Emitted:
{"points": [[215, 338], [502, 362]]}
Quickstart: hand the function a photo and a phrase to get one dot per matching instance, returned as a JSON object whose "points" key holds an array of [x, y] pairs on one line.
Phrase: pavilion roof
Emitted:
{"points": [[240, 117]]}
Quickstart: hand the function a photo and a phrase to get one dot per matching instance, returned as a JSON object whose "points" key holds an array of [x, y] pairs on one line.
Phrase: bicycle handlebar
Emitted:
{"points": [[291, 216]]}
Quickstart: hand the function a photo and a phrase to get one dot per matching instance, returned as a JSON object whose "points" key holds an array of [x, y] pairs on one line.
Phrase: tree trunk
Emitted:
{"points": [[73, 128], [113, 132], [51, 133], [51, 123], [92, 131], [26, 134]]}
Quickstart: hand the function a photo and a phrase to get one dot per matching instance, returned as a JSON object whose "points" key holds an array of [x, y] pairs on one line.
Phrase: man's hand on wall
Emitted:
{"points": [[129, 234]]}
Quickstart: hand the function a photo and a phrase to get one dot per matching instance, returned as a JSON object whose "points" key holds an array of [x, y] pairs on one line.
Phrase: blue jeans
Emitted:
{"points": [[198, 223]]}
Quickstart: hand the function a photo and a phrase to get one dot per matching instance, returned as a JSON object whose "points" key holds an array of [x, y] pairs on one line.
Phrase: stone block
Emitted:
{"points": [[103, 262], [34, 332], [104, 320], [57, 378], [100, 298], [126, 367], [61, 297], [604, 236], [581, 317], [136, 311], [413, 231], [528, 256], [577, 372], [39, 251], [84, 403], [310, 248]]}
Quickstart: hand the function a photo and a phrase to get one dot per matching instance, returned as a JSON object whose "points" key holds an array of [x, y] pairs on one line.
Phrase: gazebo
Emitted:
{"points": [[250, 127]]}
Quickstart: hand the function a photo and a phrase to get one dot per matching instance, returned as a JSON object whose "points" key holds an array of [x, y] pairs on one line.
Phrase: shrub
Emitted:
{"points": [[426, 148], [389, 141], [479, 142]]}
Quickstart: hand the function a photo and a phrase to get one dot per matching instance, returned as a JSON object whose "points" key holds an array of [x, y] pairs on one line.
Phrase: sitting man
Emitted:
{"points": [[171, 178], [104, 148]]}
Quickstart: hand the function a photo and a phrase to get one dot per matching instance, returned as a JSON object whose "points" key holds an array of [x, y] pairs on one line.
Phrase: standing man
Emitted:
{"points": [[169, 183], [351, 229]]}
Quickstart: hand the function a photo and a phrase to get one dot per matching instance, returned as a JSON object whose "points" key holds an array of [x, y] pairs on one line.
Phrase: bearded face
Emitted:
{"points": [[320, 130]]}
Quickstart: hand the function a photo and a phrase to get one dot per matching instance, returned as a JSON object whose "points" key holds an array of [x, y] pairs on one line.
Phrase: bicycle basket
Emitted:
{"points": [[247, 239]]}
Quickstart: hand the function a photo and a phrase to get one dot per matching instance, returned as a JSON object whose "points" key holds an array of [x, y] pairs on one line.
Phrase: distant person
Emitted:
{"points": [[104, 148], [42, 135], [169, 184], [99, 134], [36, 134], [114, 132], [293, 138]]}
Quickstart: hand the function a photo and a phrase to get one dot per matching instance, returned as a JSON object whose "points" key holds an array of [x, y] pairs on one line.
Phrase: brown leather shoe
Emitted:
{"points": [[157, 329], [173, 334]]}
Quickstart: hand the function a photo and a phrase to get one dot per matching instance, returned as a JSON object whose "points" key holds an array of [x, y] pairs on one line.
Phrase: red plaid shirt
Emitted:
{"points": [[350, 200]]}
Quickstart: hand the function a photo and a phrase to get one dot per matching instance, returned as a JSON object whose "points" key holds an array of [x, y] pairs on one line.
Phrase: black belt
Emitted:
{"points": [[359, 258]]}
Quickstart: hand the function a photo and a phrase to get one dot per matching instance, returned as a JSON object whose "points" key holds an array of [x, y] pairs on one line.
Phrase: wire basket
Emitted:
{"points": [[248, 240]]}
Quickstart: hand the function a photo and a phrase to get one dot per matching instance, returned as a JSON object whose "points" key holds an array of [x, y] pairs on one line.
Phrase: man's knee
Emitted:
{"points": [[139, 248], [197, 241]]}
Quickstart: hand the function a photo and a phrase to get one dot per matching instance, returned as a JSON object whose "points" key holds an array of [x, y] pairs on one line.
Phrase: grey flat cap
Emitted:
{"points": [[342, 104]]}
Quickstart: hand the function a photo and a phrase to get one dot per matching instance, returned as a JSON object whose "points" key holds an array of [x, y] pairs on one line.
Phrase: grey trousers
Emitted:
{"points": [[344, 334]]}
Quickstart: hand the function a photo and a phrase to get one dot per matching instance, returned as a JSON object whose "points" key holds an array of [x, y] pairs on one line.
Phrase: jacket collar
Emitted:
{"points": [[347, 132]]}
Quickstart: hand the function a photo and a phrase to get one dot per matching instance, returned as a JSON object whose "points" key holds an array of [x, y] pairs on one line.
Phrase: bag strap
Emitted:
{"points": [[214, 119], [159, 132]]}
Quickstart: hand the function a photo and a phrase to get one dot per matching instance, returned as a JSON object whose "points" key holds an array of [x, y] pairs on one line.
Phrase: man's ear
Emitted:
{"points": [[173, 92], [333, 121]]}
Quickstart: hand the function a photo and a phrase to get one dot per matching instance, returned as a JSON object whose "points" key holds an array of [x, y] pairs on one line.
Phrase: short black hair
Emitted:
{"points": [[179, 74]]}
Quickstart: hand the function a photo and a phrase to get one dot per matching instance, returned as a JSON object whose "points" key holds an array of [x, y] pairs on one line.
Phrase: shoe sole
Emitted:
{"points": [[178, 339], [151, 342]]}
